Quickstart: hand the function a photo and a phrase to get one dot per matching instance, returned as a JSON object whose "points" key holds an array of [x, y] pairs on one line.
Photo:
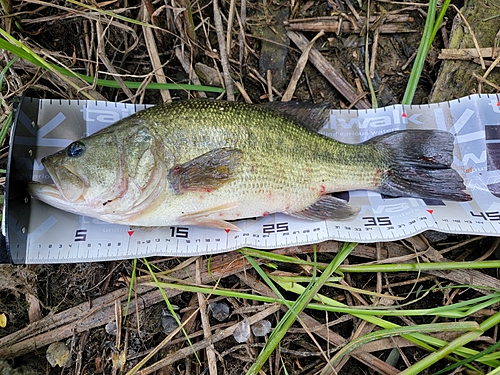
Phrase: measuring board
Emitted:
{"points": [[38, 233]]}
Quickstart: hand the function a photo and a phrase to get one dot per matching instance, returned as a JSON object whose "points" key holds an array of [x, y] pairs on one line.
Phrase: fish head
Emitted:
{"points": [[111, 175]]}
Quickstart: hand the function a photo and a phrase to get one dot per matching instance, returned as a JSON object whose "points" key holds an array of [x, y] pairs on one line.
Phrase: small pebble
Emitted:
{"points": [[242, 332], [220, 311], [58, 354], [435, 236], [111, 328], [168, 322], [261, 328]]}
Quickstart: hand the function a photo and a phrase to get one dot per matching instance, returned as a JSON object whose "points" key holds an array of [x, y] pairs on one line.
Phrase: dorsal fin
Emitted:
{"points": [[313, 116]]}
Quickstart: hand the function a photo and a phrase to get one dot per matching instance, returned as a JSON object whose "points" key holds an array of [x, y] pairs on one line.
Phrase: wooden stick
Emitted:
{"points": [[393, 24], [154, 55], [205, 323], [465, 53], [226, 69], [299, 68], [324, 67]]}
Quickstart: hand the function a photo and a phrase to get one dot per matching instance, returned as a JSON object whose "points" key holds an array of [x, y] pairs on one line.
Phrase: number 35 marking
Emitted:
{"points": [[372, 221]]}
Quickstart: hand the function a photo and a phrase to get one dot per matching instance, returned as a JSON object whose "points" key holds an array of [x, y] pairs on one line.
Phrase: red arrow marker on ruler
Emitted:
{"points": [[430, 211], [130, 233]]}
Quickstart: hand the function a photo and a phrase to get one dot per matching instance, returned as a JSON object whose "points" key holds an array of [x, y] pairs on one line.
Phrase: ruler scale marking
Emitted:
{"points": [[474, 119]]}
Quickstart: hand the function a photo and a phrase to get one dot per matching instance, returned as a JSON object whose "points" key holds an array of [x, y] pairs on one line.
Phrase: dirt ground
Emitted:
{"points": [[79, 304]]}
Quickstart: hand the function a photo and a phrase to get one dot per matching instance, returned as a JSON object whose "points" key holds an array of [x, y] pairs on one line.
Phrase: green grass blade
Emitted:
{"points": [[424, 341], [169, 305], [268, 281], [442, 352], [17, 48], [495, 371], [373, 268], [5, 128], [114, 15], [449, 369], [391, 332], [298, 306], [4, 71], [327, 304], [266, 255], [130, 288], [423, 50], [420, 267]]}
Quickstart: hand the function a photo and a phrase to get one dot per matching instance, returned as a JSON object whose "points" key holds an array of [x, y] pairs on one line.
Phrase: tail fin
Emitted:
{"points": [[420, 165]]}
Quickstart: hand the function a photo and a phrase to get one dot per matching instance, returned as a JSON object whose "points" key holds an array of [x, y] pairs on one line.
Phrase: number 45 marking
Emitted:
{"points": [[491, 215]]}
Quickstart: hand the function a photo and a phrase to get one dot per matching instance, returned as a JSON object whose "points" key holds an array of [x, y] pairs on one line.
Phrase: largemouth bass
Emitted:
{"points": [[204, 163]]}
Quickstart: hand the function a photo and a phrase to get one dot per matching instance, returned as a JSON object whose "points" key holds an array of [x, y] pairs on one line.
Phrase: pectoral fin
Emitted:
{"points": [[327, 207], [206, 172]]}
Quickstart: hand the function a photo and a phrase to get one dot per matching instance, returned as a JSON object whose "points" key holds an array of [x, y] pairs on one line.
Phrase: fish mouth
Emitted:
{"points": [[51, 194], [41, 191], [68, 187]]}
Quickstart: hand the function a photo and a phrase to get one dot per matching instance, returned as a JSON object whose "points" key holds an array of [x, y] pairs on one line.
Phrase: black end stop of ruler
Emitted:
{"points": [[13, 246]]}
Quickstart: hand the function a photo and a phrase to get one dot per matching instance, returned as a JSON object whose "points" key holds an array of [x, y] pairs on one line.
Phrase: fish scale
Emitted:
{"points": [[203, 162]]}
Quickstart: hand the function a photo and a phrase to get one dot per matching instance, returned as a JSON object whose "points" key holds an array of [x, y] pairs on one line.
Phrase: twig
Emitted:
{"points": [[339, 82], [256, 75], [188, 69], [226, 69], [154, 55], [465, 53], [495, 50], [473, 36], [392, 24], [242, 19], [101, 53], [373, 60], [205, 323], [299, 68], [367, 58], [269, 78], [491, 67], [484, 80], [230, 19], [243, 92]]}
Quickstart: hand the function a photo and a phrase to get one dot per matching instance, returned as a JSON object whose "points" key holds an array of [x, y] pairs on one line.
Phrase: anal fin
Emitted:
{"points": [[327, 207]]}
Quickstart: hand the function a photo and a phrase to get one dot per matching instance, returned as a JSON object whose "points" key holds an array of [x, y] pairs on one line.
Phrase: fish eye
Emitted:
{"points": [[75, 149]]}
